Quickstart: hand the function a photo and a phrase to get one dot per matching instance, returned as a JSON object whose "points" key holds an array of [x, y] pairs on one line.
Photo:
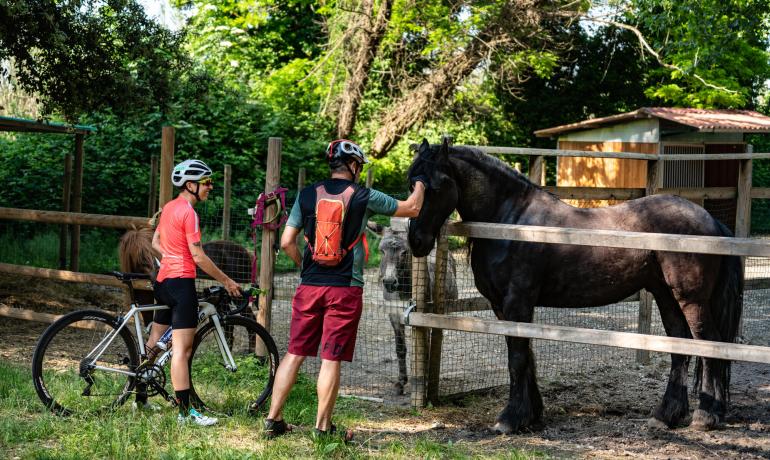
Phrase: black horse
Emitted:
{"points": [[698, 295]]}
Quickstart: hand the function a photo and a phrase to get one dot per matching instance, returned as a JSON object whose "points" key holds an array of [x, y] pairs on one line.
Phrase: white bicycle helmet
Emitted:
{"points": [[189, 170]]}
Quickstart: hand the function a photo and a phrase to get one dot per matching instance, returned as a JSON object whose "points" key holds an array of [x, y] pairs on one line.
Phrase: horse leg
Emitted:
{"points": [[400, 339], [710, 381], [525, 405], [675, 406], [712, 377]]}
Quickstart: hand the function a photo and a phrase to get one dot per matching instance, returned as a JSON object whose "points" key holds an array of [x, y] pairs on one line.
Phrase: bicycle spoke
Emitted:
{"points": [[69, 382], [223, 391]]}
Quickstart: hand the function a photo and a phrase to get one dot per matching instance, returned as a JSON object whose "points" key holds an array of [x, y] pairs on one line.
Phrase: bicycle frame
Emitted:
{"points": [[207, 310]]}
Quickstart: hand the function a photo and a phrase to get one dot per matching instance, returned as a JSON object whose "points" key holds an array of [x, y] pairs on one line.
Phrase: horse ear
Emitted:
{"points": [[443, 151], [424, 148]]}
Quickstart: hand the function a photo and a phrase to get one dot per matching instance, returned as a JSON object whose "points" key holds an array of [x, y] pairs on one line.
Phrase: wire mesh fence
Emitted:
{"points": [[384, 350], [469, 362]]}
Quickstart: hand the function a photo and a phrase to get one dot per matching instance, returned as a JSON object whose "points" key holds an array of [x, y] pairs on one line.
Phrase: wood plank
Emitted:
{"points": [[613, 238], [65, 275], [46, 318], [622, 155], [743, 202], [437, 335], [267, 254], [226, 204], [64, 229], [77, 201], [165, 195], [708, 349], [58, 217], [595, 193], [420, 336], [762, 193]]}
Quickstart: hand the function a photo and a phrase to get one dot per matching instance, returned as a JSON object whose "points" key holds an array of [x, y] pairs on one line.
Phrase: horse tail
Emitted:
{"points": [[726, 307]]}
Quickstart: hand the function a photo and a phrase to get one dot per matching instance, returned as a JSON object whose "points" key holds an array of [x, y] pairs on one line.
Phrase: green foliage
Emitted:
{"points": [[86, 55], [722, 43]]}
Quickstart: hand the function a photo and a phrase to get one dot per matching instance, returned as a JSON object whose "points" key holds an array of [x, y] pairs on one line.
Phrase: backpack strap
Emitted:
{"points": [[361, 237]]}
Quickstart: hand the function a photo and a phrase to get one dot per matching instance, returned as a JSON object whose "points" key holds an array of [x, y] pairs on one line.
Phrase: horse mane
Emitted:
{"points": [[135, 251], [492, 166]]}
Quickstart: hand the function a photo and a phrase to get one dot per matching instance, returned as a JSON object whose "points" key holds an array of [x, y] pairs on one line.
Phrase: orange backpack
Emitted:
{"points": [[330, 212]]}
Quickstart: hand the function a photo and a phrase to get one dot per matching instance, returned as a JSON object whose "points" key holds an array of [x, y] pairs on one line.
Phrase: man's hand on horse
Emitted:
{"points": [[414, 180]]}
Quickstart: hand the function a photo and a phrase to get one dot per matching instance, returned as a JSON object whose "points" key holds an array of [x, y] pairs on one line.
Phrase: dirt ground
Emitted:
{"points": [[597, 414]]}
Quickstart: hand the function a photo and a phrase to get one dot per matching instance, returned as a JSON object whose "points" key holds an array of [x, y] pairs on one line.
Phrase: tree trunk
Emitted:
{"points": [[370, 35], [418, 104]]}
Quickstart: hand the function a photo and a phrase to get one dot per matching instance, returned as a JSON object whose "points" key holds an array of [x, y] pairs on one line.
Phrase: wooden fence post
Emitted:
{"points": [[65, 202], [267, 254], [152, 197], [644, 324], [537, 169], [420, 340], [166, 165], [437, 335], [77, 201], [743, 204], [226, 204]]}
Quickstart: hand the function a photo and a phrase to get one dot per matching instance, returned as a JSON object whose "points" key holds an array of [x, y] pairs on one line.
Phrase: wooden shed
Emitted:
{"points": [[659, 130]]}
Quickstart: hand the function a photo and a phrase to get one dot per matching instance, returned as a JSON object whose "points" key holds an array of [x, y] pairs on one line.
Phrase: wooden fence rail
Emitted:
{"points": [[613, 238], [74, 218], [705, 348]]}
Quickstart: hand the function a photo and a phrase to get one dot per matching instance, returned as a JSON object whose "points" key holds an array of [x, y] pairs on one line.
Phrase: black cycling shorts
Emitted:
{"points": [[180, 295]]}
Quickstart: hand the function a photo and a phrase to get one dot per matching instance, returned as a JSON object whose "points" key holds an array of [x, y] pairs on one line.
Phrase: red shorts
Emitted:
{"points": [[327, 315]]}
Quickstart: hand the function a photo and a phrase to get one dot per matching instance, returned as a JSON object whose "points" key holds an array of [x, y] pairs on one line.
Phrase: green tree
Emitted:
{"points": [[81, 56], [714, 52]]}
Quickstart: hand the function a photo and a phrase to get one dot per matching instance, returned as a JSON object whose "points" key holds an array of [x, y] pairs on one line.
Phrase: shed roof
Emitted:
{"points": [[34, 126], [702, 120]]}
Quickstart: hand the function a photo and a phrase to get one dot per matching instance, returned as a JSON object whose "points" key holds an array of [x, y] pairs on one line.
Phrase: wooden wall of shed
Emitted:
{"points": [[722, 173], [602, 172]]}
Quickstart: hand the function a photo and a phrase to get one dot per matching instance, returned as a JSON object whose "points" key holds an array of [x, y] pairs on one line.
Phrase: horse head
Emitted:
{"points": [[395, 265], [441, 194]]}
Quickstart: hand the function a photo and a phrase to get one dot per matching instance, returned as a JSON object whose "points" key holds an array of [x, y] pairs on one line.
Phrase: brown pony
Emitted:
{"points": [[138, 256]]}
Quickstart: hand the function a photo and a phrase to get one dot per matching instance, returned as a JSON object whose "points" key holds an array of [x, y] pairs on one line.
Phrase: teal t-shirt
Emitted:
{"points": [[364, 204]]}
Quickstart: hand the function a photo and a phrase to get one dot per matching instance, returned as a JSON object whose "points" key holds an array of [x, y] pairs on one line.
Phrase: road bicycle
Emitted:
{"points": [[90, 361]]}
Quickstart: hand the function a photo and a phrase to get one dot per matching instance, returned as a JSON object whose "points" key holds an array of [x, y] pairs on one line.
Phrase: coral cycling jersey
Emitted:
{"points": [[178, 228]]}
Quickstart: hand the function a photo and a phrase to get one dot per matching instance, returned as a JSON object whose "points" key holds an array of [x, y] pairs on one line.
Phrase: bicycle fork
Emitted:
{"points": [[209, 311]]}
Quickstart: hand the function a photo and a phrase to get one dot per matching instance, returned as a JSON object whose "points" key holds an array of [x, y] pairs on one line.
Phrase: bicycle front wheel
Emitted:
{"points": [[67, 378], [224, 391]]}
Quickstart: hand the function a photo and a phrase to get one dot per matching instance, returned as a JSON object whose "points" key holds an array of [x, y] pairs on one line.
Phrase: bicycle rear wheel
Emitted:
{"points": [[224, 392], [66, 381]]}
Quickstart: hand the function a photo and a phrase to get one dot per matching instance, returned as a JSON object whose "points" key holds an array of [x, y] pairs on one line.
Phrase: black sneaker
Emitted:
{"points": [[345, 435], [275, 428]]}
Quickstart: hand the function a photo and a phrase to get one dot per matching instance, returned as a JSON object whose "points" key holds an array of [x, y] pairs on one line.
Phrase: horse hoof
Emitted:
{"points": [[398, 389], [703, 421], [502, 428], [656, 424]]}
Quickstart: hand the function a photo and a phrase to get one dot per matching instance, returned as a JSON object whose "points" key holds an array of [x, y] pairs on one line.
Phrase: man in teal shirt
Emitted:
{"points": [[327, 305]]}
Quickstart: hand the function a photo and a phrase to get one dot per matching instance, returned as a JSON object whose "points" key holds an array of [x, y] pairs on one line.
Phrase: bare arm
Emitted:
{"points": [[289, 244], [203, 261], [411, 207], [156, 242]]}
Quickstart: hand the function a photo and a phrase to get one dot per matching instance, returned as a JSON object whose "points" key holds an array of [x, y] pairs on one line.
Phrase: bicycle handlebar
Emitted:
{"points": [[225, 303]]}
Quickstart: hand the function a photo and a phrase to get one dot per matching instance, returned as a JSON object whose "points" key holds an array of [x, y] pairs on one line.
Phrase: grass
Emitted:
{"points": [[27, 431]]}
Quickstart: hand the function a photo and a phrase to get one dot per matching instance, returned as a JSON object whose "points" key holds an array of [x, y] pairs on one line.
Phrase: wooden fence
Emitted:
{"points": [[76, 219]]}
